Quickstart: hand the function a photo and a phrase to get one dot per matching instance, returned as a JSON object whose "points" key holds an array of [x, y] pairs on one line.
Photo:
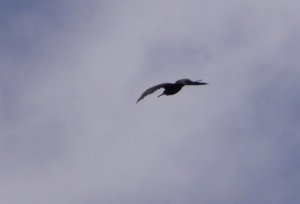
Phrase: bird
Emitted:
{"points": [[171, 88]]}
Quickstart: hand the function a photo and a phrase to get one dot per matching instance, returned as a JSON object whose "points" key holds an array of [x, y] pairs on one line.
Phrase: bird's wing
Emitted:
{"points": [[152, 90]]}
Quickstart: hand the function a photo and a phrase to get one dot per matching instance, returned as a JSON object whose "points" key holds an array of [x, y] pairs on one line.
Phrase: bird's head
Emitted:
{"points": [[183, 81]]}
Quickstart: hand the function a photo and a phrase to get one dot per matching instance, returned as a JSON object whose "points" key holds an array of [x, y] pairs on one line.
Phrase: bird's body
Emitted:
{"points": [[170, 88]]}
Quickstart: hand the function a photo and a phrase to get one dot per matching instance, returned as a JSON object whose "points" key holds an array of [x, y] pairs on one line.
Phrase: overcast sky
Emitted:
{"points": [[72, 133]]}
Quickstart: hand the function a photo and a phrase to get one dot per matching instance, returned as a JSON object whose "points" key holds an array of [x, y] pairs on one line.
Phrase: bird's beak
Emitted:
{"points": [[199, 82]]}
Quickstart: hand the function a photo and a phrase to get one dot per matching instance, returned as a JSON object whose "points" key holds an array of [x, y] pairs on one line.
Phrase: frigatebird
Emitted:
{"points": [[170, 88]]}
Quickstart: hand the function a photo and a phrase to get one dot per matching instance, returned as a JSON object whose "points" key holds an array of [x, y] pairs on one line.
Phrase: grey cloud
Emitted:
{"points": [[72, 133]]}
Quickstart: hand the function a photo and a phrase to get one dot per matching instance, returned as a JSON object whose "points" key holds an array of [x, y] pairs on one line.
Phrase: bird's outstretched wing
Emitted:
{"points": [[152, 90]]}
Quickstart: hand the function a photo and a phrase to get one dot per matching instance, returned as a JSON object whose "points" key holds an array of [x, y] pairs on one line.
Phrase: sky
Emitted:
{"points": [[72, 133]]}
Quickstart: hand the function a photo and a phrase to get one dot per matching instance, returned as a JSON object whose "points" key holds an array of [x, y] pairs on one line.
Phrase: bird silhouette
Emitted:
{"points": [[170, 88]]}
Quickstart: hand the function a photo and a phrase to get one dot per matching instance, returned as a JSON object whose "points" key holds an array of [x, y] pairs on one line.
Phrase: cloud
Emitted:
{"points": [[72, 133]]}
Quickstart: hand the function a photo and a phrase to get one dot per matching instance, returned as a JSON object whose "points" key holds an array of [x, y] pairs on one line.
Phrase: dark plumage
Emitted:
{"points": [[170, 88]]}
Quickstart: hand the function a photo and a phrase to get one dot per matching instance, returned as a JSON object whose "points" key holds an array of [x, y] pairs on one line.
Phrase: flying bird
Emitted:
{"points": [[170, 88]]}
